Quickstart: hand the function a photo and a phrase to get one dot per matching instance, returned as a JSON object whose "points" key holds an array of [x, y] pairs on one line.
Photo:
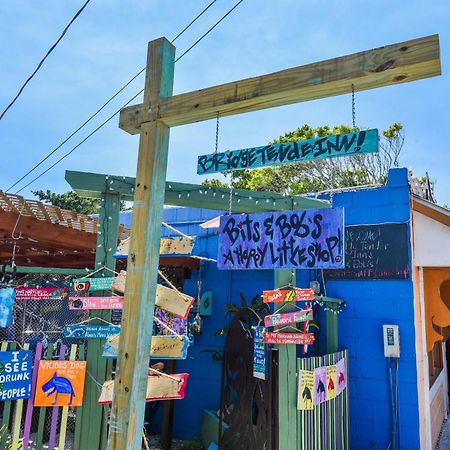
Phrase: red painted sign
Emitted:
{"points": [[288, 318], [289, 338], [114, 302], [25, 293], [288, 295]]}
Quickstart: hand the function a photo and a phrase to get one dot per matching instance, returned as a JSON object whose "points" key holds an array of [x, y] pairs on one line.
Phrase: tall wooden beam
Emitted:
{"points": [[127, 414], [383, 66], [176, 194]]}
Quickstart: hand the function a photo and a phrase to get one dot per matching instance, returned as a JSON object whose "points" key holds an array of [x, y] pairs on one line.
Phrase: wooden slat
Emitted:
{"points": [[79, 410], [6, 405], [383, 66], [65, 410]]}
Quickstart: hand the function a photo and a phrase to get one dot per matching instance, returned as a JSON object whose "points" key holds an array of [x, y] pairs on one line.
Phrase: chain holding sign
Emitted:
{"points": [[294, 239]]}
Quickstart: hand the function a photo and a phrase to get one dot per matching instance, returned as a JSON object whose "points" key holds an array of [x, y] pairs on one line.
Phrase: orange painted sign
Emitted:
{"points": [[288, 295], [60, 383]]}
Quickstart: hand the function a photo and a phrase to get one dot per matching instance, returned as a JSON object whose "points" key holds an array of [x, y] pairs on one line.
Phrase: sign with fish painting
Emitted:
{"points": [[288, 338], [7, 297], [26, 293], [259, 354], [113, 302], [60, 383], [90, 331], [305, 239], [305, 400], [346, 144], [275, 320], [162, 347], [92, 284], [288, 295], [159, 387], [15, 374]]}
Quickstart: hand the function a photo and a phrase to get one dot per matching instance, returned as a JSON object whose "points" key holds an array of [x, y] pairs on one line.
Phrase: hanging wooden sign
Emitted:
{"points": [[15, 374], [178, 245], [7, 297], [288, 295], [114, 302], [159, 387], [168, 299], [162, 347], [93, 284], [26, 293], [288, 338], [90, 331], [275, 320], [60, 383], [293, 239], [259, 354], [346, 144]]}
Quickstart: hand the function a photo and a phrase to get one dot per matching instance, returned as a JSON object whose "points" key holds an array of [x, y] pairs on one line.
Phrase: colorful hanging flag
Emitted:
{"points": [[331, 382], [341, 374], [320, 385]]}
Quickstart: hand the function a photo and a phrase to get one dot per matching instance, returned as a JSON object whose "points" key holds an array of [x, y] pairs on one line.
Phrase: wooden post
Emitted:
{"points": [[93, 420], [332, 329], [287, 377], [127, 414]]}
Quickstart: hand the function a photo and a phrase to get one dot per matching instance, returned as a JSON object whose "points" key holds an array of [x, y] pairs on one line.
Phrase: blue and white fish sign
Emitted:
{"points": [[15, 374], [90, 331]]}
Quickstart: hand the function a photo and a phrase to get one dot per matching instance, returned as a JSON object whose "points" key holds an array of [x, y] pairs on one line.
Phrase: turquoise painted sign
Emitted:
{"points": [[90, 331], [93, 284], [348, 144]]}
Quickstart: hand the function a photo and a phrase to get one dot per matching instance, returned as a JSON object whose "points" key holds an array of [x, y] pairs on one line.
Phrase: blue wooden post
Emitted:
{"points": [[127, 414]]}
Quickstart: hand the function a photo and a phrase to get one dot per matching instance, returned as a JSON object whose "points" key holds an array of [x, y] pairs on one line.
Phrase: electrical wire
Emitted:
{"points": [[106, 103], [50, 50], [128, 102]]}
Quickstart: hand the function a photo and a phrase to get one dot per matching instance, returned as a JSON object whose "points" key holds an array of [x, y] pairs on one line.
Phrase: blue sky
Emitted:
{"points": [[107, 45]]}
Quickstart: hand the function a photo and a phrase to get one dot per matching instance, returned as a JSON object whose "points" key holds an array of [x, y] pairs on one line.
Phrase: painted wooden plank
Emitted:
{"points": [[288, 295], [25, 293], [55, 410], [288, 318], [29, 411], [178, 245], [108, 303], [80, 409], [17, 420], [42, 411], [90, 331], [346, 144], [92, 284], [127, 415], [302, 239], [65, 410], [288, 338], [159, 387], [391, 64]]}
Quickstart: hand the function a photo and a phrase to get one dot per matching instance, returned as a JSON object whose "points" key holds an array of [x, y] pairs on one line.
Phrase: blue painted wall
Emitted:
{"points": [[370, 305]]}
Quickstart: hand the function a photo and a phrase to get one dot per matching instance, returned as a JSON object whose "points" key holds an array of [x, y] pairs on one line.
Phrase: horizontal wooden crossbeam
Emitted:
{"points": [[192, 195], [383, 66]]}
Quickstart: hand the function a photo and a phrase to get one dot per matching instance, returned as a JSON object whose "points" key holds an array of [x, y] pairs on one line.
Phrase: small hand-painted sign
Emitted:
{"points": [[341, 375], [275, 320], [179, 245], [259, 354], [306, 391], [347, 144], [25, 293], [60, 383], [93, 284], [114, 302], [320, 385], [162, 347], [7, 296], [90, 331], [291, 239], [15, 374], [288, 295], [288, 338], [159, 387]]}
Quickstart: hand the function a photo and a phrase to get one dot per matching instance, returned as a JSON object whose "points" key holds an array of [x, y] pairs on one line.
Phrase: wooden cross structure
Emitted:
{"points": [[160, 110]]}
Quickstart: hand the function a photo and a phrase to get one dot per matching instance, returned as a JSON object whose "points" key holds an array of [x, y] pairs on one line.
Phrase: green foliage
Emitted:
{"points": [[214, 182]]}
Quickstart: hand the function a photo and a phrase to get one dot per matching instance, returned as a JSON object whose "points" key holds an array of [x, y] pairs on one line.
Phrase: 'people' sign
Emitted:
{"points": [[292, 239], [15, 374]]}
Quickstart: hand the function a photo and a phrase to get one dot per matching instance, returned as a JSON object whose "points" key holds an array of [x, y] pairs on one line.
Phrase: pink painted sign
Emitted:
{"points": [[25, 293], [114, 302], [288, 295], [288, 318], [289, 338]]}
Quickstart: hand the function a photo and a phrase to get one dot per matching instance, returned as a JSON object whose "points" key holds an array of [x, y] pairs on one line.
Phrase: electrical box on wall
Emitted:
{"points": [[391, 341]]}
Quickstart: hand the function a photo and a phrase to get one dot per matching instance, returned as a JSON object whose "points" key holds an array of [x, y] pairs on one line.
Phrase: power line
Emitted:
{"points": [[50, 50], [128, 102], [105, 104]]}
